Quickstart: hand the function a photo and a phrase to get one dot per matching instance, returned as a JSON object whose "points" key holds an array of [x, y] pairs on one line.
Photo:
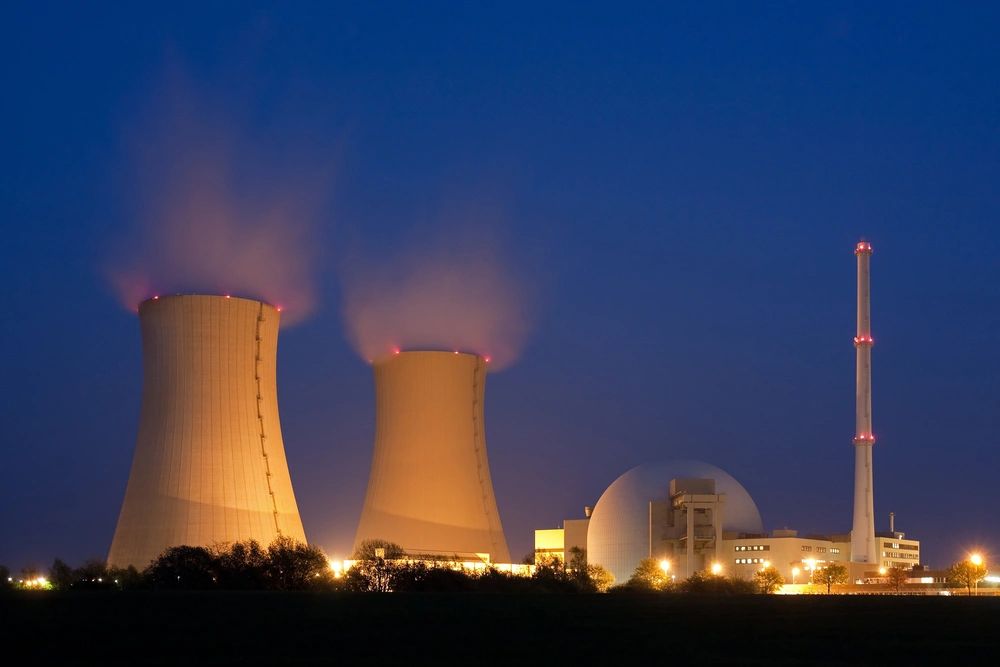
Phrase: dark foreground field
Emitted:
{"points": [[471, 629]]}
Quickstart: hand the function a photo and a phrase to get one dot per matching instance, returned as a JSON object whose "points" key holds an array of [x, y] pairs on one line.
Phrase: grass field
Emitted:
{"points": [[471, 629]]}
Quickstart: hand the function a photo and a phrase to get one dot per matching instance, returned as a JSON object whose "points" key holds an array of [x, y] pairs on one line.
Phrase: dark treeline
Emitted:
{"points": [[382, 567], [284, 565], [379, 567]]}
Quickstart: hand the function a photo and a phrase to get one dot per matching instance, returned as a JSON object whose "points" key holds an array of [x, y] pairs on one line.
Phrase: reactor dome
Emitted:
{"points": [[618, 534]]}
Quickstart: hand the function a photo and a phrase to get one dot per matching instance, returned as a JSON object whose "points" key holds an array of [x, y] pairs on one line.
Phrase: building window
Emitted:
{"points": [[806, 547]]}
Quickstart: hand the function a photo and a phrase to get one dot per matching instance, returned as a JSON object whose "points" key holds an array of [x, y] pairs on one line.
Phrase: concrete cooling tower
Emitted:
{"points": [[430, 489], [209, 463]]}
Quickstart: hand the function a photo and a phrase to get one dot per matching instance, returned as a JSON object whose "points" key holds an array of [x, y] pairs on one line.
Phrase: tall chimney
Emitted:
{"points": [[863, 532]]}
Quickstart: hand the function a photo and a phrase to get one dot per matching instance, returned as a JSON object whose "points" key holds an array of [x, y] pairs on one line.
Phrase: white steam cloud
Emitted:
{"points": [[455, 297], [215, 213]]}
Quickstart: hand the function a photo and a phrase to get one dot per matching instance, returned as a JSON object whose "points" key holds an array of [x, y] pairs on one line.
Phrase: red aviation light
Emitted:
{"points": [[864, 340], [228, 296], [863, 247], [395, 350], [486, 359]]}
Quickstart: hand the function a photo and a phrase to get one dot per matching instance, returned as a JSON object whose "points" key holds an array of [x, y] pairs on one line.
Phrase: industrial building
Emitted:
{"points": [[209, 464], [693, 516], [683, 522], [430, 489]]}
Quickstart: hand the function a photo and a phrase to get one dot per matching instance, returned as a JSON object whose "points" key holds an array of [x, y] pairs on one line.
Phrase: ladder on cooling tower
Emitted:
{"points": [[260, 416]]}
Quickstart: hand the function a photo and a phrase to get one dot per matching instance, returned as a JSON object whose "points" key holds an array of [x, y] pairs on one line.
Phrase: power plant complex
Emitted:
{"points": [[209, 464], [692, 516]]}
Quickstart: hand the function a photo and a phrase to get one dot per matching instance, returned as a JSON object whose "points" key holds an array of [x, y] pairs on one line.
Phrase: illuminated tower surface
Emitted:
{"points": [[209, 464], [863, 547], [430, 489]]}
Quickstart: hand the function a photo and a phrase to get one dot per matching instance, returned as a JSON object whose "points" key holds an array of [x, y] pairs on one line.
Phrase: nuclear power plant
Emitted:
{"points": [[210, 468], [692, 516], [209, 464], [430, 489]]}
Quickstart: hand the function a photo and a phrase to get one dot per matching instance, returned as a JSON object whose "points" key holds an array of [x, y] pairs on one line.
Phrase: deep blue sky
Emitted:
{"points": [[688, 183]]}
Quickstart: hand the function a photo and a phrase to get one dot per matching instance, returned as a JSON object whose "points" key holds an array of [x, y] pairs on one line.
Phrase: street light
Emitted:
{"points": [[716, 568], [795, 573], [977, 560], [665, 565]]}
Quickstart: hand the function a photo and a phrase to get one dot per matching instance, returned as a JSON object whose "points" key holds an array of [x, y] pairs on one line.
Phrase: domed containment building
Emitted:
{"points": [[209, 463], [677, 511]]}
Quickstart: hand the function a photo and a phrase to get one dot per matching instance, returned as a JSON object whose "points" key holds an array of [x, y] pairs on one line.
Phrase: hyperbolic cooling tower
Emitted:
{"points": [[430, 489], [209, 463]]}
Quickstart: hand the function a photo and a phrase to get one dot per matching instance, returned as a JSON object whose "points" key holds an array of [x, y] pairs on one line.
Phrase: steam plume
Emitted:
{"points": [[215, 214], [454, 297]]}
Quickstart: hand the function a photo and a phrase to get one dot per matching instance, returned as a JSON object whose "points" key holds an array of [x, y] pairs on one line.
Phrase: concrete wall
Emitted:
{"points": [[430, 489], [209, 463]]}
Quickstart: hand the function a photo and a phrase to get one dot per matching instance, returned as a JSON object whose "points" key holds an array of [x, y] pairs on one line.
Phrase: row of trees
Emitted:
{"points": [[382, 566], [652, 576], [283, 565]]}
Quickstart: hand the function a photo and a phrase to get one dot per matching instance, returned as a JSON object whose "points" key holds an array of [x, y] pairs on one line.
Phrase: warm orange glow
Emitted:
{"points": [[665, 565], [976, 559], [882, 571], [716, 568]]}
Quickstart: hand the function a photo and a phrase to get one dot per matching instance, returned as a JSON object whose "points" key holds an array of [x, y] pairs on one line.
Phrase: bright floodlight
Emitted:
{"points": [[717, 568], [976, 559], [665, 565]]}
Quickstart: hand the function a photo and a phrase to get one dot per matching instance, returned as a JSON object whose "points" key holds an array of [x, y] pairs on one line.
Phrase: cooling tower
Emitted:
{"points": [[430, 489], [209, 463]]}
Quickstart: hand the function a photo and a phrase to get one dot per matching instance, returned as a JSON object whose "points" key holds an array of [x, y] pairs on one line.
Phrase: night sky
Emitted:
{"points": [[677, 194]]}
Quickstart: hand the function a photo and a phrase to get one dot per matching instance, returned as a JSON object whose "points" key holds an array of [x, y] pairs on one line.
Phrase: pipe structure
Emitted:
{"points": [[430, 489], [863, 547], [209, 464]]}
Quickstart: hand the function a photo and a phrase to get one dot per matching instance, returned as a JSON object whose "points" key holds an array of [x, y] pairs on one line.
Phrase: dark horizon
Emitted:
{"points": [[672, 198]]}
